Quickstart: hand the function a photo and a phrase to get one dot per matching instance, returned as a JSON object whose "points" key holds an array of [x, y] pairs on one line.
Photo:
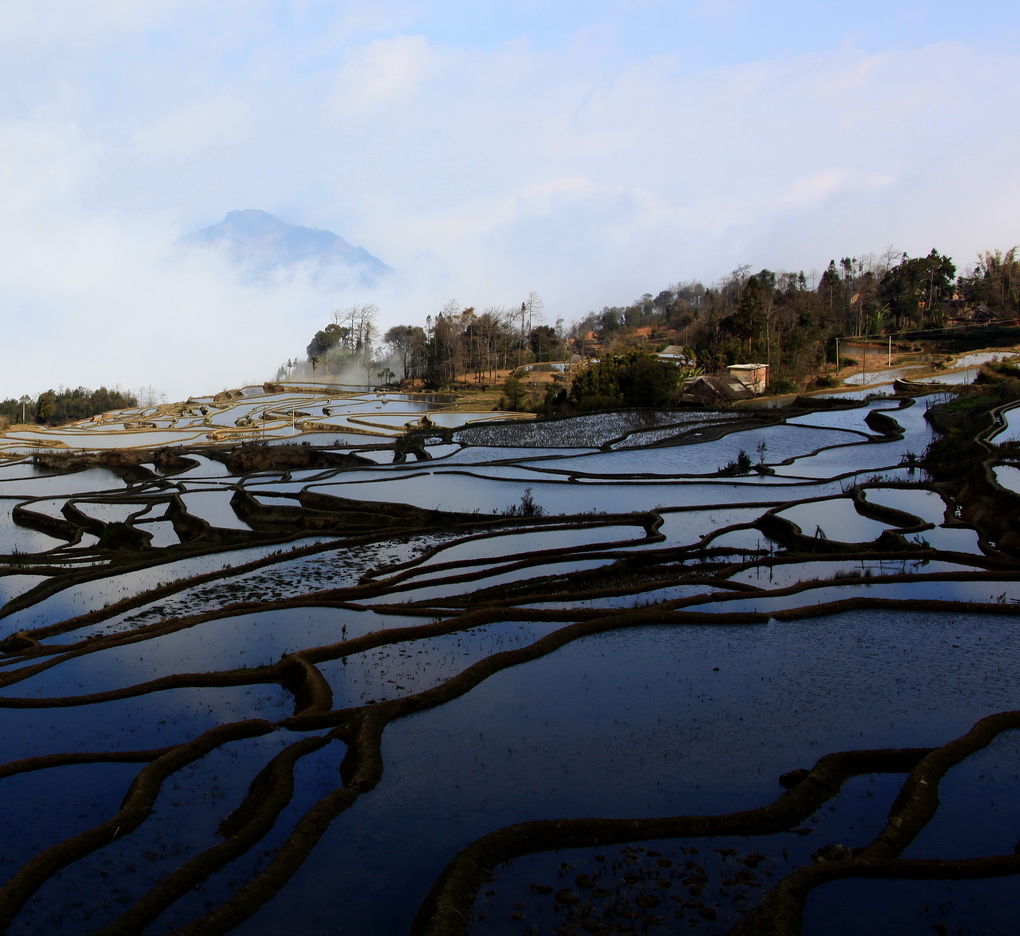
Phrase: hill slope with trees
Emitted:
{"points": [[787, 320]]}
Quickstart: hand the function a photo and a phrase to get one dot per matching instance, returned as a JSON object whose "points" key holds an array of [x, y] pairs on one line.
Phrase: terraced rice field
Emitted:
{"points": [[599, 675]]}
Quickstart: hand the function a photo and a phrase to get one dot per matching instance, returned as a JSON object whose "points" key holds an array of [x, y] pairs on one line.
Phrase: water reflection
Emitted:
{"points": [[599, 617]]}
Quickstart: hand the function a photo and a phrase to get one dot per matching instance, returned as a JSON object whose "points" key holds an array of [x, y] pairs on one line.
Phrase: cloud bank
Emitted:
{"points": [[587, 152]]}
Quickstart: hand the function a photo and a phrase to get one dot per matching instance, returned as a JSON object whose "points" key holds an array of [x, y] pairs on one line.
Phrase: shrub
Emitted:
{"points": [[526, 508], [739, 465], [634, 379], [781, 385]]}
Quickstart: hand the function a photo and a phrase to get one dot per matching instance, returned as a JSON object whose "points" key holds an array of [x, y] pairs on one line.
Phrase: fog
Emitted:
{"points": [[590, 153]]}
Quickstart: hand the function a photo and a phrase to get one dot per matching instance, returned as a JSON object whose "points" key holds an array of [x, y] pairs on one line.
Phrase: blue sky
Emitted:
{"points": [[587, 151]]}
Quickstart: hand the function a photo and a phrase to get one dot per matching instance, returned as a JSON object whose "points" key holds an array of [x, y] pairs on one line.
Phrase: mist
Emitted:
{"points": [[589, 153]]}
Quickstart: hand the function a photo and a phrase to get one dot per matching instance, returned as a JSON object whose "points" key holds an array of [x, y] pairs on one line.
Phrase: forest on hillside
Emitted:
{"points": [[784, 319], [56, 407]]}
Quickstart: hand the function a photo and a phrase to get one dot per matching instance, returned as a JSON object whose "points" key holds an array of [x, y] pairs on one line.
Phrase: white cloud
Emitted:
{"points": [[122, 306], [722, 12], [42, 160], [360, 17], [821, 185], [221, 121], [104, 296], [589, 176], [79, 22], [386, 72]]}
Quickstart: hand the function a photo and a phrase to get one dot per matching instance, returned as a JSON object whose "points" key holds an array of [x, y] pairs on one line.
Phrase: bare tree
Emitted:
{"points": [[887, 259], [535, 307], [365, 332]]}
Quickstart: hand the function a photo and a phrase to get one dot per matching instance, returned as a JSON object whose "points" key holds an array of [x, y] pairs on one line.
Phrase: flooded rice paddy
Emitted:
{"points": [[501, 677]]}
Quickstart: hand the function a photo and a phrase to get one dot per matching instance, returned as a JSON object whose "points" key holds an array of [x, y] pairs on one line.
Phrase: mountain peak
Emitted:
{"points": [[263, 246]]}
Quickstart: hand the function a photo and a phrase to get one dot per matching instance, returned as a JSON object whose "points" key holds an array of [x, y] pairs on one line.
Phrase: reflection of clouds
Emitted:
{"points": [[837, 519], [988, 592], [927, 505], [89, 481], [11, 586], [172, 716], [25, 441], [515, 546], [784, 575], [163, 533], [687, 528], [96, 594], [411, 667], [256, 639], [18, 539], [429, 592], [213, 507], [1008, 477], [650, 717], [108, 512]]}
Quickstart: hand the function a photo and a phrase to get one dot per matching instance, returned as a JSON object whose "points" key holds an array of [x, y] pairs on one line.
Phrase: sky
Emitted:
{"points": [[586, 151]]}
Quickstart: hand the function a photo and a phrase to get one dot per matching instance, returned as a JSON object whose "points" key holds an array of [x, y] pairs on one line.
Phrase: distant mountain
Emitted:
{"points": [[263, 246]]}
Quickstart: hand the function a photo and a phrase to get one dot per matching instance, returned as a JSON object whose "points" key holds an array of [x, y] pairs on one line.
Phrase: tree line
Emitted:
{"points": [[789, 322], [785, 319], [455, 344], [56, 407]]}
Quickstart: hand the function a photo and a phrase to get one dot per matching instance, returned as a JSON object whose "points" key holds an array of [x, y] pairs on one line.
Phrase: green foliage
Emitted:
{"points": [[773, 317], [914, 289], [554, 400], [973, 404], [515, 394], [633, 379], [55, 407], [330, 338], [952, 456], [995, 371], [408, 342], [781, 385], [345, 343], [739, 465], [995, 282], [955, 452], [545, 344]]}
